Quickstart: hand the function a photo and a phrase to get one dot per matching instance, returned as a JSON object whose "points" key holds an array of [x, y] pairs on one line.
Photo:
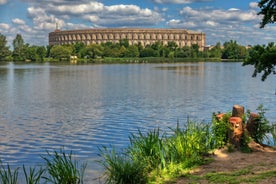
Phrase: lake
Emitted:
{"points": [[82, 107]]}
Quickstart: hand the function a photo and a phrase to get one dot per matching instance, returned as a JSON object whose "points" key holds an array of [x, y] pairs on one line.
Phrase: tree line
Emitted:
{"points": [[25, 52], [263, 57]]}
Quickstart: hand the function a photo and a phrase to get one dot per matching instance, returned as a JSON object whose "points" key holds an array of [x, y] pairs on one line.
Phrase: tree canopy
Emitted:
{"points": [[263, 58], [268, 11]]}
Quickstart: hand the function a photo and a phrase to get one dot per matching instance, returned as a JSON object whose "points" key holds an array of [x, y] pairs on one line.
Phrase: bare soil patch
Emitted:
{"points": [[237, 167]]}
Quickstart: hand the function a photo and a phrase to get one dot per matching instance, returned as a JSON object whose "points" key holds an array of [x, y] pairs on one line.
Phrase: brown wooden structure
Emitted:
{"points": [[145, 36]]}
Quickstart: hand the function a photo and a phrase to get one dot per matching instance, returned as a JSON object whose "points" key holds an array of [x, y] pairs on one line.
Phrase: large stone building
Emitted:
{"points": [[134, 35]]}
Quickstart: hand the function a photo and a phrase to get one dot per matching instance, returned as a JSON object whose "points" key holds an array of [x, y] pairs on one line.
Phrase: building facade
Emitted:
{"points": [[145, 36]]}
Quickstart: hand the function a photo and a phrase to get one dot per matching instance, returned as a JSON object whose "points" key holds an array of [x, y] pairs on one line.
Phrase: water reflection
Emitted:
{"points": [[80, 107]]}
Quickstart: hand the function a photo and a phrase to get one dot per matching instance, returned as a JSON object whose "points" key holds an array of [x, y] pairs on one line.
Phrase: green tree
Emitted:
{"points": [[18, 46], [231, 50], [124, 42], [77, 47], [94, 50], [132, 51], [41, 53], [194, 50], [61, 52], [4, 49], [263, 58], [216, 51], [148, 52], [268, 11]]}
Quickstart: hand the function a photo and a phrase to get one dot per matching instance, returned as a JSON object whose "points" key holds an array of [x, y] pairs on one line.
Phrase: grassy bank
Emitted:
{"points": [[154, 156]]}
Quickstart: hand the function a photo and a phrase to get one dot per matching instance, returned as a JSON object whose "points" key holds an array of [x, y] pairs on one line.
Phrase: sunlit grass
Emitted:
{"points": [[61, 168]]}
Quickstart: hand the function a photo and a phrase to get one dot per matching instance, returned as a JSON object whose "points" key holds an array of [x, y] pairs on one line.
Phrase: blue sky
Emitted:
{"points": [[221, 20]]}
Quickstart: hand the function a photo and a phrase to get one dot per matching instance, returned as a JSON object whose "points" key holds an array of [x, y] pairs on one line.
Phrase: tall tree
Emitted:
{"points": [[268, 11], [4, 49], [18, 46]]}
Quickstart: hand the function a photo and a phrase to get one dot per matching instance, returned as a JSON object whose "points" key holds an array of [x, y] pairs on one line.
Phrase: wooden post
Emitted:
{"points": [[236, 130], [238, 111]]}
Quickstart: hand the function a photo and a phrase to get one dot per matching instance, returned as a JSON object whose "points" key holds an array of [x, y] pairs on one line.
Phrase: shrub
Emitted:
{"points": [[220, 129], [120, 168], [148, 148], [262, 126], [189, 144]]}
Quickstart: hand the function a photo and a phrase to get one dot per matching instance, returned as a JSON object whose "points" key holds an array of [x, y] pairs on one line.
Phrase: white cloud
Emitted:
{"points": [[4, 27], [224, 25], [18, 21], [253, 5], [3, 2]]}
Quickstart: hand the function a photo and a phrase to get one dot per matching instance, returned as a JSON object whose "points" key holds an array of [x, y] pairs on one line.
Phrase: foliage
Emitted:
{"points": [[62, 169], [148, 148], [189, 144], [4, 49], [216, 51], [157, 154], [262, 126], [33, 176], [220, 129], [263, 58], [7, 175], [232, 50], [268, 10], [18, 48], [120, 168], [61, 52]]}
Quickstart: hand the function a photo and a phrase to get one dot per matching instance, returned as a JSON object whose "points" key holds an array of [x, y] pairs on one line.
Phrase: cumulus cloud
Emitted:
{"points": [[222, 25], [18, 21], [178, 1], [253, 5], [3, 2]]}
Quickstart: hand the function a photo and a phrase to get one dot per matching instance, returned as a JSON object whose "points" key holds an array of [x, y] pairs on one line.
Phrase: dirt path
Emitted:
{"points": [[236, 167]]}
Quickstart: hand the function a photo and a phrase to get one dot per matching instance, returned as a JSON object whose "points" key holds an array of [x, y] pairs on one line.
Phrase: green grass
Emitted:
{"points": [[120, 168], [7, 175], [61, 168], [34, 175]]}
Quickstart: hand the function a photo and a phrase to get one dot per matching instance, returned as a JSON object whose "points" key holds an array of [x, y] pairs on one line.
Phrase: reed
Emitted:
{"points": [[7, 175], [189, 144], [33, 176], [120, 168], [148, 148], [62, 169]]}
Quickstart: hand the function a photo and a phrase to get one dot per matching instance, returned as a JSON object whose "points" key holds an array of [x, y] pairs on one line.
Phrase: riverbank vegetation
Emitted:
{"points": [[153, 156]]}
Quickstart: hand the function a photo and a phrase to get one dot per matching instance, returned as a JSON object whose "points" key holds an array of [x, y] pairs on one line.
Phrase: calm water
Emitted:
{"points": [[80, 107]]}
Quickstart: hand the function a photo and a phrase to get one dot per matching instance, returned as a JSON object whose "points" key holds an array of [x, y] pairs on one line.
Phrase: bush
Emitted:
{"points": [[120, 168], [262, 126], [220, 129], [148, 148]]}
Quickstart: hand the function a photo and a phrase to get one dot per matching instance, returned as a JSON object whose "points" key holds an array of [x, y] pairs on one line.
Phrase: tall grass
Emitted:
{"points": [[7, 175], [120, 168], [62, 169], [154, 153], [148, 148], [33, 176], [189, 144]]}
